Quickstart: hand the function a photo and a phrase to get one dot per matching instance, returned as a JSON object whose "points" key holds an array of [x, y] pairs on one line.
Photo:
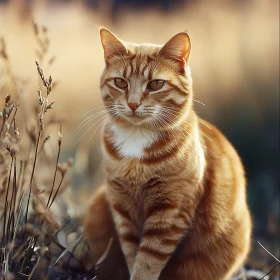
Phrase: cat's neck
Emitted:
{"points": [[131, 140], [134, 141]]}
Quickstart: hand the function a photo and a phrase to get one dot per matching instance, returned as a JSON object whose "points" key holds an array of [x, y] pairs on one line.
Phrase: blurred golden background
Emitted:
{"points": [[234, 62]]}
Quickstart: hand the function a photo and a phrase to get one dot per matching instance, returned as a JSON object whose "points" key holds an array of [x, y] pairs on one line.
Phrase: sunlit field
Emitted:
{"points": [[234, 48]]}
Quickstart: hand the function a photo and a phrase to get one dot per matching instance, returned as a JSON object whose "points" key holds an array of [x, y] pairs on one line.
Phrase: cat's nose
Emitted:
{"points": [[133, 106]]}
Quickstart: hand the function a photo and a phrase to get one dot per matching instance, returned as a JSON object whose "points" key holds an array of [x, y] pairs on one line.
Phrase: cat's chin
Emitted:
{"points": [[136, 120]]}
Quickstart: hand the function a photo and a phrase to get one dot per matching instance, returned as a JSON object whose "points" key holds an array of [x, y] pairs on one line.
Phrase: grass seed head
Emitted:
{"points": [[7, 98], [40, 97], [48, 106]]}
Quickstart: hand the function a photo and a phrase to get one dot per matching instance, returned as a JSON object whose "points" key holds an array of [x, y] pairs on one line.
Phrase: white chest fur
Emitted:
{"points": [[131, 141]]}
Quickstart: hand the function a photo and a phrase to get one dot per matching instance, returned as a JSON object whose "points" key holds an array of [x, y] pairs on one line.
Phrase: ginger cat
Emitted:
{"points": [[174, 202]]}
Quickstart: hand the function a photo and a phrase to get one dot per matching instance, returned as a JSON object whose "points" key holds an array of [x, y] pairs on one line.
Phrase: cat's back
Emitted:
{"points": [[222, 217], [223, 208], [224, 176], [220, 154]]}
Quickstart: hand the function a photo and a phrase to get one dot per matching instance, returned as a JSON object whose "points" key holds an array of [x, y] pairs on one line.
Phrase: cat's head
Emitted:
{"points": [[146, 84]]}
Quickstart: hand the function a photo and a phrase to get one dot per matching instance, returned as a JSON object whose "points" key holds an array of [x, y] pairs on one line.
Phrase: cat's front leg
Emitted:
{"points": [[127, 233], [164, 227]]}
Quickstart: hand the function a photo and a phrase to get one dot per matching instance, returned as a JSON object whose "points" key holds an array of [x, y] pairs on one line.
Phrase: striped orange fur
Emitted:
{"points": [[174, 201]]}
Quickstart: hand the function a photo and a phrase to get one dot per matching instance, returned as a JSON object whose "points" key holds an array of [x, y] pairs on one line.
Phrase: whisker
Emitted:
{"points": [[188, 124], [85, 121], [171, 131], [97, 108], [160, 130], [176, 124], [199, 131], [166, 124], [106, 121], [174, 134], [199, 102], [96, 114], [203, 123], [102, 118]]}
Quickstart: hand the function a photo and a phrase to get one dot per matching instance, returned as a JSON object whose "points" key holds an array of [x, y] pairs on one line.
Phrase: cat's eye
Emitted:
{"points": [[155, 85], [120, 83]]}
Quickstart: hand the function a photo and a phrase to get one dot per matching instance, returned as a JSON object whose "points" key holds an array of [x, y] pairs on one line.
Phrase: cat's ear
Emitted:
{"points": [[112, 45], [177, 48]]}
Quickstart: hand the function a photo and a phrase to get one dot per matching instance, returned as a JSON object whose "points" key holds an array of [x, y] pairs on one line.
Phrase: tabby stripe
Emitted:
{"points": [[178, 89], [150, 75], [115, 182], [110, 149], [121, 211], [133, 64], [144, 69], [186, 87], [166, 91], [129, 237], [106, 97], [161, 142], [154, 182], [185, 217], [132, 56], [159, 158], [106, 81], [137, 69], [173, 102], [132, 69], [114, 89], [163, 244], [155, 232], [161, 207], [144, 95], [154, 253], [149, 59], [125, 71], [169, 242]]}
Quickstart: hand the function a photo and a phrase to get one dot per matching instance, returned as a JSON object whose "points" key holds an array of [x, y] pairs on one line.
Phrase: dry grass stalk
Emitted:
{"points": [[24, 229]]}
